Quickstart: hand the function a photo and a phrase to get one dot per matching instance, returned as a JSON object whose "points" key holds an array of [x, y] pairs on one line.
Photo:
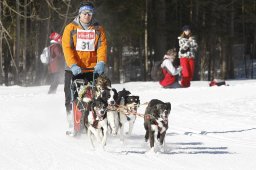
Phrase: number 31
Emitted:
{"points": [[85, 45]]}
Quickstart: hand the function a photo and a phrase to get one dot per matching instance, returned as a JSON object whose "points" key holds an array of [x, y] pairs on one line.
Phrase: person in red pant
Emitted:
{"points": [[187, 49]]}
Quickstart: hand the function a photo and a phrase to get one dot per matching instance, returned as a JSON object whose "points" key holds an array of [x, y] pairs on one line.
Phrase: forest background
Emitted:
{"points": [[139, 32]]}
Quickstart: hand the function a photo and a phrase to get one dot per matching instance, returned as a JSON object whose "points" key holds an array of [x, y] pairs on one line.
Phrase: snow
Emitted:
{"points": [[211, 128]]}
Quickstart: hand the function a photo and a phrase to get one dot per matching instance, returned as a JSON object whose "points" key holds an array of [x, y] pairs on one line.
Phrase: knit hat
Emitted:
{"points": [[56, 37], [186, 27], [86, 6]]}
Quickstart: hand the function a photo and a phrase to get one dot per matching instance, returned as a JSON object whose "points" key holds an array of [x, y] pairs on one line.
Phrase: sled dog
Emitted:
{"points": [[156, 122], [97, 122], [127, 111], [112, 114]]}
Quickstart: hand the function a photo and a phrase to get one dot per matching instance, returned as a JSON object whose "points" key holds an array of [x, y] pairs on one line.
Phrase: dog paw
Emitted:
{"points": [[128, 133], [152, 151], [145, 144], [101, 149], [122, 142], [162, 149], [71, 133], [92, 148]]}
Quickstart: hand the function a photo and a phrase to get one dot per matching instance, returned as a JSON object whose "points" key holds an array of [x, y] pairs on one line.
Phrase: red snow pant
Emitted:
{"points": [[187, 73]]}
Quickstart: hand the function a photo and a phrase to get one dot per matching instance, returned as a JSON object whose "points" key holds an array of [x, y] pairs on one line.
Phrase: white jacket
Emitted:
{"points": [[167, 63]]}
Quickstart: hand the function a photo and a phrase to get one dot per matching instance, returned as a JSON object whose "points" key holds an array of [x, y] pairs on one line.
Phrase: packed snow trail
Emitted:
{"points": [[209, 128]]}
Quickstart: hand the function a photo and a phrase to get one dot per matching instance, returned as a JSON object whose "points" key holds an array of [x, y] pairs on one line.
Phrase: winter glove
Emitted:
{"points": [[182, 51], [179, 69], [99, 68], [75, 69]]}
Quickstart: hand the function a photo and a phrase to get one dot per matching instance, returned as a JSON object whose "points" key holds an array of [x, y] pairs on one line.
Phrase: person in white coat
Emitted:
{"points": [[169, 70]]}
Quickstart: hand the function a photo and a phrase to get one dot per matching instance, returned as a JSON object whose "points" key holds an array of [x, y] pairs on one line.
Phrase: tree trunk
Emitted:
{"points": [[243, 25], [232, 35], [196, 19], [36, 55], [1, 45], [146, 69], [191, 11], [254, 51], [17, 43], [25, 37], [204, 52], [223, 58], [25, 70], [210, 56], [66, 17], [160, 33], [42, 40]]}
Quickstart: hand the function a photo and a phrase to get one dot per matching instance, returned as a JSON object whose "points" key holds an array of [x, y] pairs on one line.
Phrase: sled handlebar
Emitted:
{"points": [[87, 69]]}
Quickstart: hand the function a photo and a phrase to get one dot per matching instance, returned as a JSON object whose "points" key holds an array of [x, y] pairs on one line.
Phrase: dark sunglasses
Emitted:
{"points": [[87, 13]]}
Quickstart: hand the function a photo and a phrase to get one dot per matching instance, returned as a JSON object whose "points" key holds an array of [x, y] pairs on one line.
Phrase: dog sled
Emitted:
{"points": [[99, 110], [81, 95]]}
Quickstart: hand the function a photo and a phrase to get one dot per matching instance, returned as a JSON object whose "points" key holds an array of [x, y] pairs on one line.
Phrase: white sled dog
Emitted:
{"points": [[97, 123]]}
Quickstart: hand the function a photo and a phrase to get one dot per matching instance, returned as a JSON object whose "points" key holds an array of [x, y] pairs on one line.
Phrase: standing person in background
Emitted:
{"points": [[56, 62], [85, 48], [187, 49], [169, 70]]}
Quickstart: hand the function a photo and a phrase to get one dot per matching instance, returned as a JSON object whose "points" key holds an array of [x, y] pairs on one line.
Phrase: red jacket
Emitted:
{"points": [[168, 80], [57, 62]]}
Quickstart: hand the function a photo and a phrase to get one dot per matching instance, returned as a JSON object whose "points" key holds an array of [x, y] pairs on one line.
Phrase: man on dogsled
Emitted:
{"points": [[85, 50]]}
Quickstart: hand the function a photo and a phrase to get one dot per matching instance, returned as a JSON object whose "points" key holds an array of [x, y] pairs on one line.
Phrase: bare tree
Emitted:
{"points": [[146, 41], [17, 41], [160, 32], [1, 44], [25, 37]]}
